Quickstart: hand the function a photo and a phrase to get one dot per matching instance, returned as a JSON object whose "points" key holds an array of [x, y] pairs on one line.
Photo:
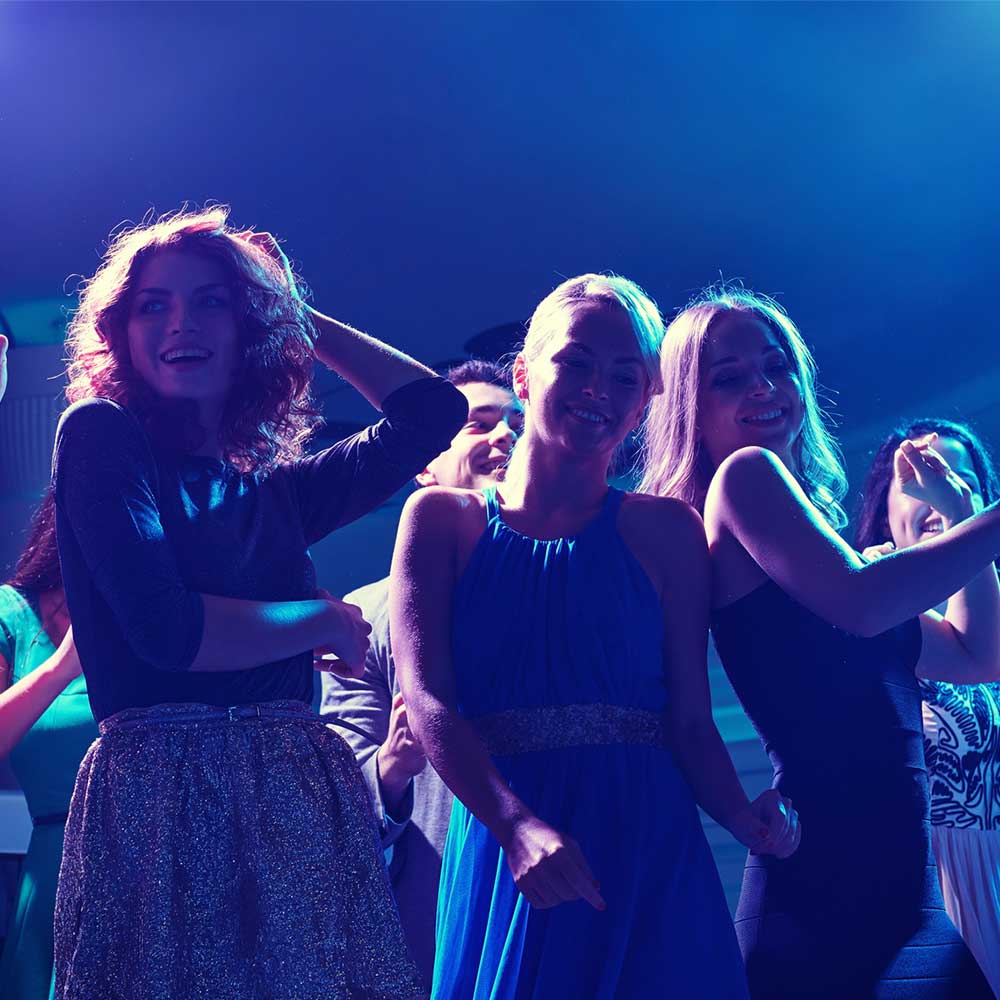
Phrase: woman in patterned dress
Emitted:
{"points": [[961, 721]]}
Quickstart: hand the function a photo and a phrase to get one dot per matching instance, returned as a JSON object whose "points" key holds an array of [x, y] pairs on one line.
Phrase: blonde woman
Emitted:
{"points": [[549, 636], [824, 652]]}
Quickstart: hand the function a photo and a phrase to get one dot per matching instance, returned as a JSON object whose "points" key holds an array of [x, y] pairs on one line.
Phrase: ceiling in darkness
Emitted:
{"points": [[436, 168]]}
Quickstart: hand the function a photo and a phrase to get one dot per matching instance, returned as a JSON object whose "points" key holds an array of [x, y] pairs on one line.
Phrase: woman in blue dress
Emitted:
{"points": [[550, 637], [824, 651]]}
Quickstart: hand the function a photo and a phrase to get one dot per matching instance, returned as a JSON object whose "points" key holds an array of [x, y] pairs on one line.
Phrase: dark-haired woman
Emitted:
{"points": [[46, 727], [961, 721], [220, 841]]}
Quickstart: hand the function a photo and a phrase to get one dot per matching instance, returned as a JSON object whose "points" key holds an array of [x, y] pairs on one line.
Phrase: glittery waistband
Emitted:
{"points": [[192, 713], [554, 727]]}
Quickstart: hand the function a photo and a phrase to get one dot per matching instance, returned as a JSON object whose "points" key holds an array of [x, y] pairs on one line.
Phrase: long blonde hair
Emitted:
{"points": [[674, 461]]}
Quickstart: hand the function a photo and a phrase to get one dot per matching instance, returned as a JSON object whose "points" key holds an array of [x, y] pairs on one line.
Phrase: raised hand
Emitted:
{"points": [[921, 473], [344, 651], [548, 867], [874, 552], [769, 825]]}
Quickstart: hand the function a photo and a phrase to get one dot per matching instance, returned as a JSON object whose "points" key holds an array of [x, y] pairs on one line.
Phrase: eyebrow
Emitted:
{"points": [[491, 408], [732, 357], [617, 361], [166, 291]]}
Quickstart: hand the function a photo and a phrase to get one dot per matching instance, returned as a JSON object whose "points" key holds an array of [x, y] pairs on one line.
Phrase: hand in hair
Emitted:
{"points": [[923, 474]]}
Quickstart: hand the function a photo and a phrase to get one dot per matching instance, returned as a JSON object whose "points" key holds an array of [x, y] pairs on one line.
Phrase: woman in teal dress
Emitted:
{"points": [[550, 640], [46, 726]]}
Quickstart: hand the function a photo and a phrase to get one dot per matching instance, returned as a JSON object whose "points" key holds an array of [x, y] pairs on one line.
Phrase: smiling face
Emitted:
{"points": [[910, 520], [587, 388], [478, 454], [749, 392], [183, 336]]}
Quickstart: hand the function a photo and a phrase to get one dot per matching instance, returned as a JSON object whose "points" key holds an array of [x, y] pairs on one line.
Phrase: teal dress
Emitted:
{"points": [[45, 762], [557, 652]]}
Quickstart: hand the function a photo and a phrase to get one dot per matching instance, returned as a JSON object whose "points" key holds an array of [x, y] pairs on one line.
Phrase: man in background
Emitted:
{"points": [[412, 804]]}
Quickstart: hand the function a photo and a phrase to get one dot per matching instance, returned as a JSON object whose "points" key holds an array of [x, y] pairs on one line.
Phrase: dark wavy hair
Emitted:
{"points": [[270, 412], [873, 511], [37, 569], [477, 370]]}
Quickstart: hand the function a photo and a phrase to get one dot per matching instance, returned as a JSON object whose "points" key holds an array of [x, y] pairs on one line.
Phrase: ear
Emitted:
{"points": [[426, 478], [519, 378]]}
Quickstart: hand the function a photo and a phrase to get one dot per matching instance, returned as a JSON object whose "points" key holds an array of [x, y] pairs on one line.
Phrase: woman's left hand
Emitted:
{"points": [[923, 474], [769, 825]]}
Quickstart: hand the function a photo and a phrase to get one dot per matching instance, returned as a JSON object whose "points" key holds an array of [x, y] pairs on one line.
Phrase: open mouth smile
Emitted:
{"points": [[178, 355], [766, 418]]}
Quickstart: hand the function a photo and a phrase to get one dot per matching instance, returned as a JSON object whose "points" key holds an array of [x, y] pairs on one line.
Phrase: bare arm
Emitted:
{"points": [[23, 703], [240, 635], [375, 369], [755, 499], [547, 866], [765, 826]]}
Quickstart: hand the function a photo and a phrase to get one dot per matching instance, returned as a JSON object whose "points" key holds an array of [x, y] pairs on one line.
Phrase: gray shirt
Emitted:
{"points": [[416, 838]]}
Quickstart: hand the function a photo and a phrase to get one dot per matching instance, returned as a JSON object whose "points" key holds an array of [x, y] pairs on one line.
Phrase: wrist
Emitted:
{"points": [[393, 778]]}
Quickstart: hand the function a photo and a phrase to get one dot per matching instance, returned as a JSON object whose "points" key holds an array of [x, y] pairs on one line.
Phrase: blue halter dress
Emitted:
{"points": [[558, 660]]}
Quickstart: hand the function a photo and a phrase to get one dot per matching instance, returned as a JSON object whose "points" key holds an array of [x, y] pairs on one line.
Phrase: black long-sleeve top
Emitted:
{"points": [[142, 534]]}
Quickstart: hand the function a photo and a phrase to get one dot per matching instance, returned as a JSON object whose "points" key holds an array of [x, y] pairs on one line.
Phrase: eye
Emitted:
{"points": [[629, 380], [152, 306], [572, 362], [214, 301], [724, 379]]}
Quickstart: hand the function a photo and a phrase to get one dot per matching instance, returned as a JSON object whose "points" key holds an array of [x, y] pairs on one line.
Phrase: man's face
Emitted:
{"points": [[478, 454]]}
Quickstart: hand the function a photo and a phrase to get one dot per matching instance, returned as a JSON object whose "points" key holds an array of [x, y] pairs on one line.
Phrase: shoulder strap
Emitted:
{"points": [[492, 506]]}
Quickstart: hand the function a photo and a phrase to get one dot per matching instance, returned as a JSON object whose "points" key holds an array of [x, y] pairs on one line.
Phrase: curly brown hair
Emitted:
{"points": [[270, 413]]}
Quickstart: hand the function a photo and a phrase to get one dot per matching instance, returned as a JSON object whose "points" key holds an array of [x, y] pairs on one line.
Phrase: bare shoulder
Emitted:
{"points": [[666, 537], [750, 466], [660, 518], [444, 514]]}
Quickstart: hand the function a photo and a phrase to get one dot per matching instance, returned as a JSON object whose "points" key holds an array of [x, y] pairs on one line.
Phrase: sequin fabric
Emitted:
{"points": [[553, 727], [214, 854]]}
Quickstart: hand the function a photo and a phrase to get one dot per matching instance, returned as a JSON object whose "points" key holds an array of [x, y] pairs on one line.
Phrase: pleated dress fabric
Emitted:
{"points": [[856, 913], [214, 853], [557, 655]]}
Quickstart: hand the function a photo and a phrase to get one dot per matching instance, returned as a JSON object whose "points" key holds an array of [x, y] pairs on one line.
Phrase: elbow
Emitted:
{"points": [[170, 642], [447, 410]]}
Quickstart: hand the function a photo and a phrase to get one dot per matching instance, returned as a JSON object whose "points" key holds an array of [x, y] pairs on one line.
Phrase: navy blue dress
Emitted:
{"points": [[856, 913]]}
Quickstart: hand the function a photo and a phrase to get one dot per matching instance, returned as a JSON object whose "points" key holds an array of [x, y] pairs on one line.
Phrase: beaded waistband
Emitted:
{"points": [[554, 727]]}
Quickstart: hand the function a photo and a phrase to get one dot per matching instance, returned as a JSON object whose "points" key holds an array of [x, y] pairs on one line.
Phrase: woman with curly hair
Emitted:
{"points": [[220, 841], [824, 651], [46, 726], [961, 721]]}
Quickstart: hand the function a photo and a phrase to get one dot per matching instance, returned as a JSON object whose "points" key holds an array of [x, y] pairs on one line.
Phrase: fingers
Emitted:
{"points": [[562, 877], [332, 664]]}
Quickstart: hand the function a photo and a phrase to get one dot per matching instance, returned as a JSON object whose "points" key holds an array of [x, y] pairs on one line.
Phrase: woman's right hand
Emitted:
{"points": [[548, 867], [345, 650], [923, 474]]}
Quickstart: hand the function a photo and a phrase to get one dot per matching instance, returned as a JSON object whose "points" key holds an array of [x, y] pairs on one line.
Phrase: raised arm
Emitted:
{"points": [[547, 867], [755, 500], [674, 533], [375, 369], [111, 537]]}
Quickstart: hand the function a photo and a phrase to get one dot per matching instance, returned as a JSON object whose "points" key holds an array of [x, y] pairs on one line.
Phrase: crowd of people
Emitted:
{"points": [[497, 799]]}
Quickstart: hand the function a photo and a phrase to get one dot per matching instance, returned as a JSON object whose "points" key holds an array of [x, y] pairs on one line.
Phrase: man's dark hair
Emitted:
{"points": [[476, 370]]}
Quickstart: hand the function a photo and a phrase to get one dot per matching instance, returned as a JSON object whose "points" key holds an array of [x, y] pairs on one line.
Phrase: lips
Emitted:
{"points": [[190, 353], [765, 418], [589, 416]]}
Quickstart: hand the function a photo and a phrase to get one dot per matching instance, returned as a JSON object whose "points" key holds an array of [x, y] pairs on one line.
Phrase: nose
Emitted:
{"points": [[182, 319], [762, 386], [503, 436], [596, 387]]}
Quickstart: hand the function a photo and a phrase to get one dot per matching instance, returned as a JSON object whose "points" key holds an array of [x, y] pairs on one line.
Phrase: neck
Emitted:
{"points": [[545, 478]]}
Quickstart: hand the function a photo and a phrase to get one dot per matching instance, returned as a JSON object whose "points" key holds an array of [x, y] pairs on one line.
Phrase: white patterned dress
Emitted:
{"points": [[962, 746]]}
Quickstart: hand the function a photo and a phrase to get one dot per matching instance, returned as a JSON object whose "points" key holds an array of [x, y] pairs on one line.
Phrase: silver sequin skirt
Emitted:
{"points": [[216, 854]]}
